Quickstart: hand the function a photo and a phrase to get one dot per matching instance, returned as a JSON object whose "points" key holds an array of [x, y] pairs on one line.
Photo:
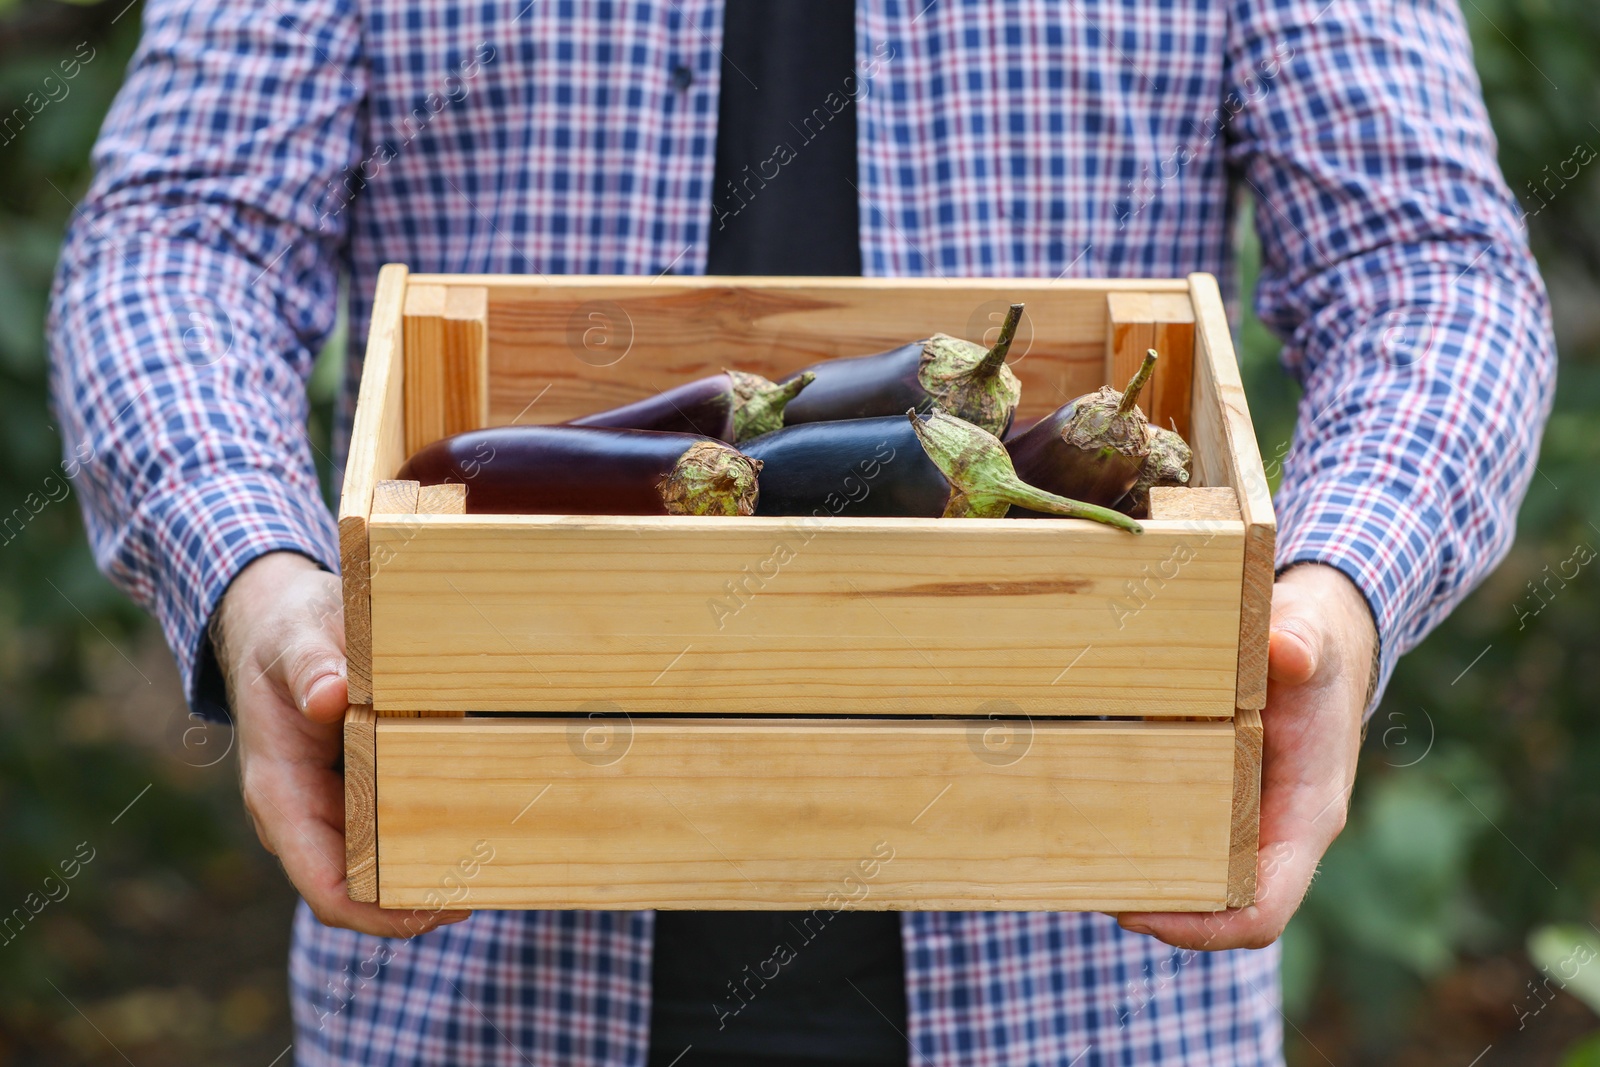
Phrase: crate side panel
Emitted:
{"points": [[377, 448], [1226, 453], [558, 352], [787, 814], [765, 616]]}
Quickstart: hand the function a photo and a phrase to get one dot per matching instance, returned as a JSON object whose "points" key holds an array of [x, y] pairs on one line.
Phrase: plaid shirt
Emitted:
{"points": [[261, 148]]}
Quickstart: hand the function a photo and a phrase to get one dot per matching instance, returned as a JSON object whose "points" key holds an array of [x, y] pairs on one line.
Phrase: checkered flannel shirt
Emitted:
{"points": [[261, 149]]}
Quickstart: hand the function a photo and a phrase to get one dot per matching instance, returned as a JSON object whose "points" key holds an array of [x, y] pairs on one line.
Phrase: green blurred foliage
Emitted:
{"points": [[1472, 852]]}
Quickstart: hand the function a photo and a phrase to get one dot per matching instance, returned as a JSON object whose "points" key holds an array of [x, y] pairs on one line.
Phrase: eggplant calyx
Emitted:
{"points": [[1168, 461], [983, 482], [1098, 424], [970, 380], [758, 403], [711, 478], [1167, 464]]}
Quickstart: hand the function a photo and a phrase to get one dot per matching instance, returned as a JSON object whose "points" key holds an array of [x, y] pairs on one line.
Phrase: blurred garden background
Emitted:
{"points": [[1454, 918]]}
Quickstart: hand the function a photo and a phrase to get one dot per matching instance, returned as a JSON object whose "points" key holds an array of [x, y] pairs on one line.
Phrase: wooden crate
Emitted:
{"points": [[616, 711]]}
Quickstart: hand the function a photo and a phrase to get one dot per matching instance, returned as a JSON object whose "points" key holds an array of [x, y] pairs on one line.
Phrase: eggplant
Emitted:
{"points": [[1091, 448], [923, 466], [732, 406], [1167, 464], [962, 377], [590, 470]]}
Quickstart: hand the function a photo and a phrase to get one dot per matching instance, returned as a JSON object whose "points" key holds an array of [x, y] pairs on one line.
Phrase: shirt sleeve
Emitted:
{"points": [[197, 283], [1395, 267]]}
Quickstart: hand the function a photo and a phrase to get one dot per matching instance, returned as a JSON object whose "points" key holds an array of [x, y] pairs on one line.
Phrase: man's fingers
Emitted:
{"points": [[1283, 875], [312, 853]]}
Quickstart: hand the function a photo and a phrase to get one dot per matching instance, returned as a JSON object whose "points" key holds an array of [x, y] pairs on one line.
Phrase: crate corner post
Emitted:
{"points": [[1226, 453], [375, 453], [361, 803], [1245, 838]]}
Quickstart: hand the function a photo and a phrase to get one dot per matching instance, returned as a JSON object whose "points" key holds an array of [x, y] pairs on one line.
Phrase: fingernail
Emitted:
{"points": [[1138, 928]]}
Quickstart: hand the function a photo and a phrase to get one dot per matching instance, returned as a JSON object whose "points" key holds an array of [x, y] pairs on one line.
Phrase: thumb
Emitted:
{"points": [[1294, 648], [312, 672]]}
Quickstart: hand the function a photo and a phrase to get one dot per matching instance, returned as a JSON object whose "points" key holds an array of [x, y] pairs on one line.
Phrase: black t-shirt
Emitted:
{"points": [[761, 986]]}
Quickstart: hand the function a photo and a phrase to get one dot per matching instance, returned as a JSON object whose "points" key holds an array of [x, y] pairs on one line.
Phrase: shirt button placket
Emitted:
{"points": [[684, 44]]}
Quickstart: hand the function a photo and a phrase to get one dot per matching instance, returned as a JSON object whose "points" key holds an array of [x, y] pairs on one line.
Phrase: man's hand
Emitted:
{"points": [[279, 636], [1319, 663]]}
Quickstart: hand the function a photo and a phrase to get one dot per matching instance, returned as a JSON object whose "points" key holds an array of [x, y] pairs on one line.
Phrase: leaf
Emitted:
{"points": [[1570, 956], [1585, 1052]]}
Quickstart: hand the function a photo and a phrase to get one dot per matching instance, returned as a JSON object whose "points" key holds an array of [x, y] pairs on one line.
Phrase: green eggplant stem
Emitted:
{"points": [[1130, 395], [996, 356], [1020, 494], [984, 484]]}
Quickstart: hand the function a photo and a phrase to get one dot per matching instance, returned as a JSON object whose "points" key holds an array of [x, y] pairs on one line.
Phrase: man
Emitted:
{"points": [[259, 149]]}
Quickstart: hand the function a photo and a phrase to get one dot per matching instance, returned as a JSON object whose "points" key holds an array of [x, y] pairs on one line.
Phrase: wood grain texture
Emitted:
{"points": [[425, 383], [447, 499], [782, 814], [1139, 321], [566, 346], [377, 448], [395, 497], [1244, 840], [466, 358], [447, 362], [1210, 503], [361, 803], [1226, 453], [1174, 339], [1130, 333], [770, 616]]}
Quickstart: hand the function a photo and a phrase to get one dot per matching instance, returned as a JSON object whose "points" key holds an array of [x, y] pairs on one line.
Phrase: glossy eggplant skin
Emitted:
{"points": [[1042, 458], [862, 387], [865, 467], [567, 470], [703, 406]]}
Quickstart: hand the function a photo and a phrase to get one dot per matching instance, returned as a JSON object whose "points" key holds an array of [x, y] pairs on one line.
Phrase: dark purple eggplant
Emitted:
{"points": [[732, 406], [962, 377], [923, 466], [1091, 448], [868, 467], [584, 470], [1167, 464]]}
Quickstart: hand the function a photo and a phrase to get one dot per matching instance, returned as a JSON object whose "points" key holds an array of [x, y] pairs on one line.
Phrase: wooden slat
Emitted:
{"points": [[566, 346], [361, 803], [466, 358], [424, 359], [1226, 453], [1174, 339], [448, 499], [1245, 836], [1130, 333], [779, 814], [765, 616], [377, 448], [395, 497], [447, 362], [1208, 503], [1138, 322]]}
